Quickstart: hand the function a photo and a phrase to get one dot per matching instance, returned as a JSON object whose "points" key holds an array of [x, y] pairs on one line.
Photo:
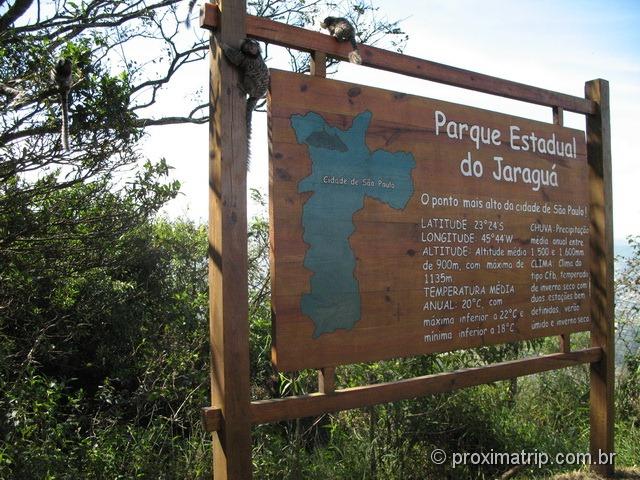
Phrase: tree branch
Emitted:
{"points": [[152, 122], [15, 12]]}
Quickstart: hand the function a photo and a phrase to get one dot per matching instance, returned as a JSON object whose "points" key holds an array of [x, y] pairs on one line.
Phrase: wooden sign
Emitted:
{"points": [[403, 225]]}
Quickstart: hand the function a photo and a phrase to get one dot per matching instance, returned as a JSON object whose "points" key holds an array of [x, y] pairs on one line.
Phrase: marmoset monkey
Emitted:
{"points": [[255, 73], [343, 31], [61, 74]]}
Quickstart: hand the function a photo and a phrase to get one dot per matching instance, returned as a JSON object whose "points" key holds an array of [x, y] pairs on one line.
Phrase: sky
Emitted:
{"points": [[557, 45]]}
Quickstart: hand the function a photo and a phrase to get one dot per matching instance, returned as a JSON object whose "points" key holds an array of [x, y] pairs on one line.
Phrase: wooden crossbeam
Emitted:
{"points": [[288, 408], [307, 40], [212, 419]]}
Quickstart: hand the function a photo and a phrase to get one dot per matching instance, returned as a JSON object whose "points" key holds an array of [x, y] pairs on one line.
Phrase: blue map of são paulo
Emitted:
{"points": [[344, 172]]}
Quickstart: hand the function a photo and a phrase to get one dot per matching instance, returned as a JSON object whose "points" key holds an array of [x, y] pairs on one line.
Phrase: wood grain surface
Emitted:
{"points": [[461, 264], [303, 39]]}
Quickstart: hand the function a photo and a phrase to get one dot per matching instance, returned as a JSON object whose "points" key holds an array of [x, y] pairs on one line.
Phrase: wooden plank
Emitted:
{"points": [[411, 297], [229, 326], [276, 410], [307, 40], [212, 419], [288, 408], [602, 287]]}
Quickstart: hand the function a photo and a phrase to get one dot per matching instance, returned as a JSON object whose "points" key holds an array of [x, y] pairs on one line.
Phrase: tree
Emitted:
{"points": [[114, 92], [113, 96], [94, 34], [628, 333], [113, 354], [60, 211], [103, 309]]}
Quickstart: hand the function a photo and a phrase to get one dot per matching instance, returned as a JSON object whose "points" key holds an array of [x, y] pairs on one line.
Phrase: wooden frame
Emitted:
{"points": [[232, 413], [389, 249], [602, 288], [228, 305]]}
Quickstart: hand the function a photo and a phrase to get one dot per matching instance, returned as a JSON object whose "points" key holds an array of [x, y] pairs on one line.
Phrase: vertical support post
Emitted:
{"points": [[565, 338], [327, 375], [327, 380], [228, 317], [602, 290], [558, 116], [319, 64]]}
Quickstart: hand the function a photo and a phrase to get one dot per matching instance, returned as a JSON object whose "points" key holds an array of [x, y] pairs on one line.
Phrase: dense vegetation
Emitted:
{"points": [[105, 368], [103, 303]]}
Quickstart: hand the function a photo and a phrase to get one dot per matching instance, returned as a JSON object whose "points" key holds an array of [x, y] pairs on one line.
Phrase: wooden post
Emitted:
{"points": [[602, 291], [327, 375], [558, 116], [327, 380], [228, 318], [565, 338], [319, 64]]}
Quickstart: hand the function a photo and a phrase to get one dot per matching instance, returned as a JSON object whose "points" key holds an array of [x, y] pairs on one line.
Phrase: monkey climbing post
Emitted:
{"points": [[229, 326]]}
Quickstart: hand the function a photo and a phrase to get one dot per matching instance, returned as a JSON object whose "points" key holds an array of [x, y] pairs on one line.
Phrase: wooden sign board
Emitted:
{"points": [[403, 225]]}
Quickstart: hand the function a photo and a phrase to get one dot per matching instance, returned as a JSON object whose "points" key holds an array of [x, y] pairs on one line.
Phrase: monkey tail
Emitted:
{"points": [[251, 105], [354, 56], [64, 132], [187, 21]]}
